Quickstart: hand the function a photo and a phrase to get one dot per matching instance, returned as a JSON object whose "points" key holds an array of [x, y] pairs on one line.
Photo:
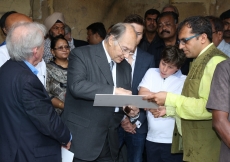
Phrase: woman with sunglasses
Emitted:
{"points": [[57, 72]]}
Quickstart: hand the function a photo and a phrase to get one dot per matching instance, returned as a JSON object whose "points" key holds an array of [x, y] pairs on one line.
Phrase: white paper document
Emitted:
{"points": [[67, 156], [111, 100]]}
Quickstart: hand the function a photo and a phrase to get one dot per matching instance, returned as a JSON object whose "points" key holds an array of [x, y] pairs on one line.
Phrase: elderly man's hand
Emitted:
{"points": [[128, 126], [122, 91], [67, 146], [159, 98], [131, 111]]}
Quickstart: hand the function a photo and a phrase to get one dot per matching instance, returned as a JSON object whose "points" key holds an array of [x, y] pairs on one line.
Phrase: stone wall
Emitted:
{"points": [[80, 13]]}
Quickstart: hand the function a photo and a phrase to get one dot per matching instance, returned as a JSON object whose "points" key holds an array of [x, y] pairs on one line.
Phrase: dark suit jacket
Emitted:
{"points": [[30, 128], [143, 62], [79, 43], [89, 74]]}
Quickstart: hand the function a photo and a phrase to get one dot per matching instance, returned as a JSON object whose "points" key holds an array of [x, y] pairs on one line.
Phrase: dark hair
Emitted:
{"points": [[217, 23], [99, 28], [134, 18], [171, 6], [173, 55], [169, 13], [225, 15], [3, 19], [198, 24], [55, 39], [152, 12]]}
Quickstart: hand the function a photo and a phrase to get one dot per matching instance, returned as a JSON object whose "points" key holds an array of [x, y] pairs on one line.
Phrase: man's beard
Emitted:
{"points": [[51, 35], [226, 34]]}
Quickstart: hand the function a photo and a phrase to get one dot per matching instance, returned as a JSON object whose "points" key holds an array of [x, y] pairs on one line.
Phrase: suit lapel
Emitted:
{"points": [[138, 63], [102, 63]]}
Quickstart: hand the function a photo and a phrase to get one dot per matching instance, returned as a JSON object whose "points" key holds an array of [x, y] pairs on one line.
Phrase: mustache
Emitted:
{"points": [[166, 31]]}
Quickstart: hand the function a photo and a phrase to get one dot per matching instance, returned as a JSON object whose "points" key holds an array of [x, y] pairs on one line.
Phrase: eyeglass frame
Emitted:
{"points": [[124, 51], [183, 41], [61, 48]]}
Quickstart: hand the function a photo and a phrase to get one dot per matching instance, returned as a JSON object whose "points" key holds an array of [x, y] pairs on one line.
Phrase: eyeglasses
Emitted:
{"points": [[61, 48], [185, 40], [124, 51]]}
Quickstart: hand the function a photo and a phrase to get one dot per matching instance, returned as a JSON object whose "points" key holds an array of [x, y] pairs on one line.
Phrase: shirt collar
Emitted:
{"points": [[107, 54], [3, 43], [134, 55], [205, 49], [32, 68]]}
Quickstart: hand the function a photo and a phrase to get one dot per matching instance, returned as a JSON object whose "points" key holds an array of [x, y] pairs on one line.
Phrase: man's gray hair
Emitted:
{"points": [[117, 30], [67, 29], [23, 38]]}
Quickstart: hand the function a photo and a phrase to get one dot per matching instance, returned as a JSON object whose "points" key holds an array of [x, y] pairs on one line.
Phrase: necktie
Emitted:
{"points": [[111, 65]]}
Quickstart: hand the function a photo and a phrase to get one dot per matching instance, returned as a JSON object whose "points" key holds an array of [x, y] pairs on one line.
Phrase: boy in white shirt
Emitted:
{"points": [[167, 77]]}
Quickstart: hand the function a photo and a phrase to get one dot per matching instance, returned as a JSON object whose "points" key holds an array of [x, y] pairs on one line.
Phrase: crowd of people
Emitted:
{"points": [[49, 81]]}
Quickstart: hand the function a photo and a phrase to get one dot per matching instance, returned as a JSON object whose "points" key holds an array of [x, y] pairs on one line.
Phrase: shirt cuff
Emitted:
{"points": [[114, 90], [171, 99], [170, 111], [70, 137], [123, 118], [132, 119]]}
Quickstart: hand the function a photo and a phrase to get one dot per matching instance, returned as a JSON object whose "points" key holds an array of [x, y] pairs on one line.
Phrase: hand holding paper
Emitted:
{"points": [[131, 111], [122, 91], [67, 146], [158, 98]]}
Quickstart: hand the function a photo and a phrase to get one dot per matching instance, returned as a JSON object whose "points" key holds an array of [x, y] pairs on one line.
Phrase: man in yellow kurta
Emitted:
{"points": [[200, 142]]}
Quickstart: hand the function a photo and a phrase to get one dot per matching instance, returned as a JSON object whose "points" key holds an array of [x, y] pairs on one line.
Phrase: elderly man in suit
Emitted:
{"points": [[30, 128], [73, 43], [94, 129]]}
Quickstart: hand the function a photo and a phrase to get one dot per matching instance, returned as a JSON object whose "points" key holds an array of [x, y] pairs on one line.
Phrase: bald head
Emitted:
{"points": [[14, 19], [130, 32], [121, 41]]}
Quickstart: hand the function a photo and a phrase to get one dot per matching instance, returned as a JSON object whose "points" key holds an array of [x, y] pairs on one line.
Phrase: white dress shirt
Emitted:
{"points": [[113, 71]]}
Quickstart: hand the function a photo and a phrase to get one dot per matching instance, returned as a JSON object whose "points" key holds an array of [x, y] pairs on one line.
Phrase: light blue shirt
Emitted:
{"points": [[224, 47], [32, 68], [3, 43]]}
